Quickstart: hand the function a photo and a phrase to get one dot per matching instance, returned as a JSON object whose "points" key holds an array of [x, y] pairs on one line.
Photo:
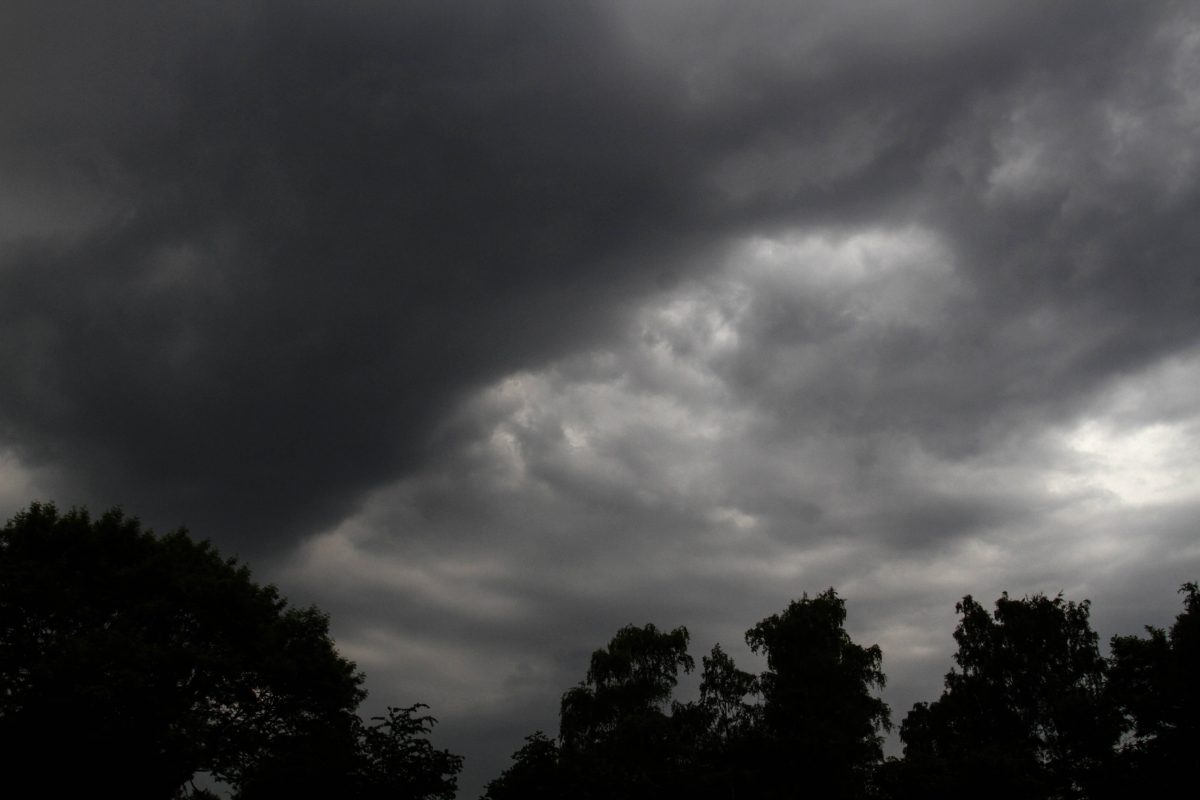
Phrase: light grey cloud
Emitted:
{"points": [[583, 496]]}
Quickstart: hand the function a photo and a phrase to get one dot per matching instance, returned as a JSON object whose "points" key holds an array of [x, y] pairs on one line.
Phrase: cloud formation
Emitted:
{"points": [[491, 328]]}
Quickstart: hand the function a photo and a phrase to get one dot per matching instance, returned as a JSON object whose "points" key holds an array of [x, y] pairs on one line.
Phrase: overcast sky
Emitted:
{"points": [[491, 327]]}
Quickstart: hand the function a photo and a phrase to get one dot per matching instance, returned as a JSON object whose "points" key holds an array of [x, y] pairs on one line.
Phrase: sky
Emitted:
{"points": [[491, 327]]}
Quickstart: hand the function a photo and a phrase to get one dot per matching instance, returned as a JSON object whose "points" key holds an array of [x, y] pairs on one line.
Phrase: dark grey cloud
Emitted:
{"points": [[492, 327], [321, 225]]}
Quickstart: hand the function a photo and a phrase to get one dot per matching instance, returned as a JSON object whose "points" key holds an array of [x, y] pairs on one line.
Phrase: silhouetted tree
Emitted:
{"points": [[815, 731], [821, 721], [723, 692], [389, 758], [147, 659], [397, 762], [1154, 683], [726, 727], [1024, 715], [618, 739], [535, 774]]}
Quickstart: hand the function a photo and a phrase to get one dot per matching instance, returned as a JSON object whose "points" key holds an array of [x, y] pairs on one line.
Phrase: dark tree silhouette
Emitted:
{"points": [[724, 690], [1153, 682], [389, 758], [821, 720], [147, 659], [1024, 715], [618, 739], [1031, 711], [536, 773], [726, 728], [815, 732], [396, 760]]}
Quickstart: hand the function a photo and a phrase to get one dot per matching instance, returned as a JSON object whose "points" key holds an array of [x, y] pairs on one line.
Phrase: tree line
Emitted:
{"points": [[1031, 710], [139, 662]]}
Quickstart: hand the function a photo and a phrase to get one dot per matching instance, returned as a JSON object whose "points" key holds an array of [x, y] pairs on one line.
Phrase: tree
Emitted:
{"points": [[536, 773], [1153, 682], [1024, 715], [821, 721], [632, 677], [726, 728], [815, 731], [388, 758], [397, 762], [723, 692], [617, 738], [148, 659]]}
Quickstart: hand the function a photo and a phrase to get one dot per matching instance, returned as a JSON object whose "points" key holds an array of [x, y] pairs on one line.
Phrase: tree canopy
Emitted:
{"points": [[821, 716], [809, 723], [149, 659], [1031, 710], [1154, 686], [139, 661], [1023, 715], [617, 734]]}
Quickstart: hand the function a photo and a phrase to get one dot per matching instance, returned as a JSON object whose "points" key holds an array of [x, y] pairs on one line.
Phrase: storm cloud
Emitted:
{"points": [[491, 327]]}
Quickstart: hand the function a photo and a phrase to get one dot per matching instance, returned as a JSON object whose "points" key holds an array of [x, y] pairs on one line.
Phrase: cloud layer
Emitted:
{"points": [[491, 328]]}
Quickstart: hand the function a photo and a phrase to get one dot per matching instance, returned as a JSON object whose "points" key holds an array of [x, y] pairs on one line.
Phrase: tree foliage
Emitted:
{"points": [[1024, 713], [396, 759], [618, 737], [537, 773], [724, 691], [1031, 710], [809, 723], [1154, 686], [628, 681], [150, 659], [820, 714]]}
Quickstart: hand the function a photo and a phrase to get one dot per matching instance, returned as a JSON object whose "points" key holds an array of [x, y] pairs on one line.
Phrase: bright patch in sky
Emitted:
{"points": [[1141, 444], [18, 484], [1155, 463]]}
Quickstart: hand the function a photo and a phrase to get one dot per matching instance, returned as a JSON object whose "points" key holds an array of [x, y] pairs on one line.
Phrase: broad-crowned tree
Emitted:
{"points": [[1024, 714], [135, 661]]}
